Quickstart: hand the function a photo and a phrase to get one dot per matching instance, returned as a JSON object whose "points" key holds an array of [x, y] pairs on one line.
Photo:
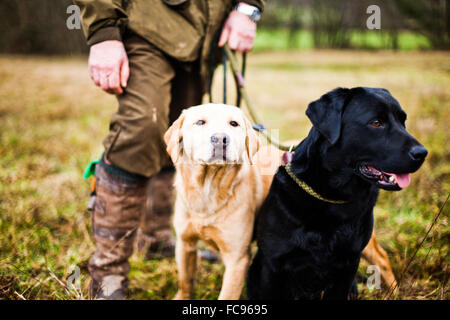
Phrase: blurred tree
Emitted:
{"points": [[429, 17], [29, 26], [294, 24], [328, 23], [332, 22]]}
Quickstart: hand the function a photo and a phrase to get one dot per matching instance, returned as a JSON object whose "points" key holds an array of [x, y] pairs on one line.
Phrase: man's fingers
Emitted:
{"points": [[247, 45], [241, 48], [224, 36], [233, 41], [111, 80], [104, 83], [114, 83], [108, 65], [95, 76], [124, 73]]}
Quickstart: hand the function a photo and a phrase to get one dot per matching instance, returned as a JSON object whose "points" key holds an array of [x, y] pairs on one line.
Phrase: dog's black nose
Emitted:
{"points": [[418, 153], [220, 139]]}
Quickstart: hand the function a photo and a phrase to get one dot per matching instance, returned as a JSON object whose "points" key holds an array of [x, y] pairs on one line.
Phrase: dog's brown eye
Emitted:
{"points": [[376, 123], [200, 122], [234, 123]]}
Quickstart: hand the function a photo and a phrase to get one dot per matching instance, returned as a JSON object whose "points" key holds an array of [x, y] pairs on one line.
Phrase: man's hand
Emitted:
{"points": [[239, 31], [108, 66]]}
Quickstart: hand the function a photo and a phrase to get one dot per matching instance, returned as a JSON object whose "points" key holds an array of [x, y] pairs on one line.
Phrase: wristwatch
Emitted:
{"points": [[251, 11]]}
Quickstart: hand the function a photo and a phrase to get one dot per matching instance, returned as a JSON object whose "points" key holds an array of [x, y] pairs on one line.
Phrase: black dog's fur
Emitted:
{"points": [[310, 249]]}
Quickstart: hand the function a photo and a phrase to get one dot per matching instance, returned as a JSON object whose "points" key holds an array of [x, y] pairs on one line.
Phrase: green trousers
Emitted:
{"points": [[159, 88]]}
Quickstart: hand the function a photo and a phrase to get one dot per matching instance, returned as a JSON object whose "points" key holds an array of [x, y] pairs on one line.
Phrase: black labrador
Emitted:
{"points": [[308, 246]]}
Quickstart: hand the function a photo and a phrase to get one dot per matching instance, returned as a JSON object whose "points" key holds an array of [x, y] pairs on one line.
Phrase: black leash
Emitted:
{"points": [[238, 73], [238, 92], [224, 63], [240, 84]]}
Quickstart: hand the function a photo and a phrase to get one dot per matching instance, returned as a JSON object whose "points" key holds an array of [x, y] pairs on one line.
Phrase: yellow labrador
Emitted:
{"points": [[218, 191]]}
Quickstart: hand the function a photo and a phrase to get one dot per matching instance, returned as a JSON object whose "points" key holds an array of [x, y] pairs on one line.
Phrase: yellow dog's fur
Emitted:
{"points": [[215, 202]]}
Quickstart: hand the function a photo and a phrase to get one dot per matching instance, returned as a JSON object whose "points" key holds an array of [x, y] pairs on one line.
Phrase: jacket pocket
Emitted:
{"points": [[111, 138]]}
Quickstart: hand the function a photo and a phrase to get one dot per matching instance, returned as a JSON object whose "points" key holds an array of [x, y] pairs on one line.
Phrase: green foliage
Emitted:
{"points": [[431, 18], [283, 39]]}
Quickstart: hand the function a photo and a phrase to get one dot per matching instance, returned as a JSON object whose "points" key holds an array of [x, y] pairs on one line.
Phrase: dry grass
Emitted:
{"points": [[52, 122]]}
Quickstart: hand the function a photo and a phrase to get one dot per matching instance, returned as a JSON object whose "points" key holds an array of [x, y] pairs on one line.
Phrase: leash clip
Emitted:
{"points": [[259, 127]]}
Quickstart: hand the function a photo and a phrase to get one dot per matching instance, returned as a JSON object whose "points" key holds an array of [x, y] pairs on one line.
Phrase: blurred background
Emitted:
{"points": [[53, 120], [30, 26]]}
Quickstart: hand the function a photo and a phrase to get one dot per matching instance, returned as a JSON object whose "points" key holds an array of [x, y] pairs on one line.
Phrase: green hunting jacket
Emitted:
{"points": [[183, 29]]}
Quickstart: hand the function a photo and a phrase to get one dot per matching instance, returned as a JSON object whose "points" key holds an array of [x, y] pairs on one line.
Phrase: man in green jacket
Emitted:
{"points": [[156, 57]]}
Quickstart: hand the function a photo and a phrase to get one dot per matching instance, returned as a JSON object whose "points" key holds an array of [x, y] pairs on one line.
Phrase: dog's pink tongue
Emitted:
{"points": [[403, 180]]}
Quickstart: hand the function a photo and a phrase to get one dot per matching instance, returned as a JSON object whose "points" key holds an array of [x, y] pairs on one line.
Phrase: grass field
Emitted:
{"points": [[53, 119]]}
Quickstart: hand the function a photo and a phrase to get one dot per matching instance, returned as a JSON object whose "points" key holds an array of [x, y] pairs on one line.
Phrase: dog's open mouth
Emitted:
{"points": [[385, 179]]}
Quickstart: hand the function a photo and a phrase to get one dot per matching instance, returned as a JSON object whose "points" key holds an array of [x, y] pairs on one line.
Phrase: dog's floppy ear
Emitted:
{"points": [[172, 137], [326, 113], [252, 141]]}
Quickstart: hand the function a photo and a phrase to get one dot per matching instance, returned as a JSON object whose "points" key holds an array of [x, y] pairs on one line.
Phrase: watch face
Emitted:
{"points": [[256, 15], [252, 12]]}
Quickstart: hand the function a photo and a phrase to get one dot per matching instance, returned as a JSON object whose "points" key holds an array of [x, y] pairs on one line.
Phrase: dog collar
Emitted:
{"points": [[308, 189]]}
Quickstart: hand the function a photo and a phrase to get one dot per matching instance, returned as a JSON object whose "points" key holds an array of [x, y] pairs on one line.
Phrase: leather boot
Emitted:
{"points": [[155, 236], [116, 215]]}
